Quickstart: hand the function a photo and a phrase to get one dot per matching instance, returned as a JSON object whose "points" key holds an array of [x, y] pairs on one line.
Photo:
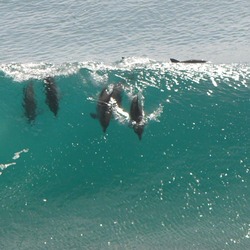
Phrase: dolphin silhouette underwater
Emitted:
{"points": [[136, 117], [29, 102], [187, 61], [104, 106], [117, 94], [51, 93]]}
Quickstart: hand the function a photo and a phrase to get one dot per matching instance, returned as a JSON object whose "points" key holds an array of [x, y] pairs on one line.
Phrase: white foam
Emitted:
{"points": [[4, 166], [17, 154], [155, 114], [119, 114]]}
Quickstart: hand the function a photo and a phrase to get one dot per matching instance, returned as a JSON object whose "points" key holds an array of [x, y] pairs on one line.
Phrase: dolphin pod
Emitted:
{"points": [[107, 101], [104, 109], [29, 99]]}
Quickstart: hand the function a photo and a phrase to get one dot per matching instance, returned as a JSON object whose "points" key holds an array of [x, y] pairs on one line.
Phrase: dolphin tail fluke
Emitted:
{"points": [[174, 60], [93, 115]]}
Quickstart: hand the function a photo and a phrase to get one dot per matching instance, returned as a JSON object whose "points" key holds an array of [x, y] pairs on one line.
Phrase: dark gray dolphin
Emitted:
{"points": [[117, 93], [29, 102], [187, 61], [51, 92], [136, 116], [103, 109], [104, 106]]}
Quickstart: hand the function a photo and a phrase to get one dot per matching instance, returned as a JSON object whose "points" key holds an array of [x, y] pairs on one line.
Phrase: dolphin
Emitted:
{"points": [[103, 109], [104, 106], [51, 92], [117, 94], [136, 117], [29, 102], [187, 61]]}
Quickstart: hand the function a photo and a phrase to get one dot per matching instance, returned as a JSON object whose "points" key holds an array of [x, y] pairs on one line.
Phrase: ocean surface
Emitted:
{"points": [[65, 184]]}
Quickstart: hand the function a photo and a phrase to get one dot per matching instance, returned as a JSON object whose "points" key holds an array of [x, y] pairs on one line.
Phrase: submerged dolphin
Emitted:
{"points": [[136, 116], [51, 92], [117, 94], [187, 61], [29, 102], [103, 109]]}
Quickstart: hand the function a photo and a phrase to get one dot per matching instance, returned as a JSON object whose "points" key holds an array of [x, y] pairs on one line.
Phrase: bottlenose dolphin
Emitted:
{"points": [[117, 93], [29, 102], [136, 116], [104, 105], [187, 61], [51, 92], [103, 109]]}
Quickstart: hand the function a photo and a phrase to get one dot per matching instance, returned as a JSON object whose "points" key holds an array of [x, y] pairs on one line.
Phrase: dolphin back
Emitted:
{"points": [[103, 109], [136, 117], [188, 61], [117, 94], [51, 92], [174, 60], [135, 110], [29, 102]]}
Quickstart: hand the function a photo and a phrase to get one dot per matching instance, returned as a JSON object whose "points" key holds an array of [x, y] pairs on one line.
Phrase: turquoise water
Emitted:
{"points": [[66, 185]]}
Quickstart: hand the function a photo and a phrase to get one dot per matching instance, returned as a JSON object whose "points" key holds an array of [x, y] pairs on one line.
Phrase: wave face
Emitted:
{"points": [[64, 184]]}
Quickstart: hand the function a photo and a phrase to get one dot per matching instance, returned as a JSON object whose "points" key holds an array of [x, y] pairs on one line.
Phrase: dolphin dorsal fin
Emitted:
{"points": [[174, 60]]}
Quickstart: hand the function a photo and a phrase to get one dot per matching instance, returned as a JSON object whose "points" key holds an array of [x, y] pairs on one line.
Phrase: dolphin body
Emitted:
{"points": [[187, 61], [104, 107], [117, 94], [51, 92], [136, 117], [29, 102]]}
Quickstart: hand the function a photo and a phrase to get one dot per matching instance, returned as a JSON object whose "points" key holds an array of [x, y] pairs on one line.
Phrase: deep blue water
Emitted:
{"points": [[64, 184]]}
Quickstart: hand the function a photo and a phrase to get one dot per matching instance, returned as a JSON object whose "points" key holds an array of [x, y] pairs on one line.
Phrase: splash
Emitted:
{"points": [[16, 156], [4, 166]]}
